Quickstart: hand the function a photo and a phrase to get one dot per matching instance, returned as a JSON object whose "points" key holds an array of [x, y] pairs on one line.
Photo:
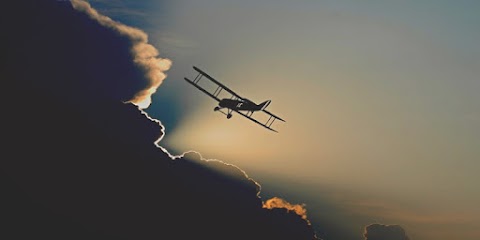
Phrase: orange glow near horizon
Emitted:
{"points": [[276, 202]]}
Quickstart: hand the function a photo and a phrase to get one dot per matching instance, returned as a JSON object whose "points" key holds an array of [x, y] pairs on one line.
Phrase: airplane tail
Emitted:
{"points": [[264, 105]]}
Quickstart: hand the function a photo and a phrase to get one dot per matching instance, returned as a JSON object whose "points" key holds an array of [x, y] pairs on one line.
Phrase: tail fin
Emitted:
{"points": [[264, 105]]}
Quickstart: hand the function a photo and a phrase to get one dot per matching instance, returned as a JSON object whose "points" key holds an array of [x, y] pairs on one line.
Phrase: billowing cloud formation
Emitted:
{"points": [[144, 54], [385, 232], [80, 162]]}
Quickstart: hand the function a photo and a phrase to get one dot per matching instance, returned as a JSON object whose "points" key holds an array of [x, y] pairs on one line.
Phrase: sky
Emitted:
{"points": [[79, 159], [379, 97]]}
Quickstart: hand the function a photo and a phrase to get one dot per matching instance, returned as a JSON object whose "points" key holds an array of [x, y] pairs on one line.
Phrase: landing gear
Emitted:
{"points": [[216, 109], [229, 116]]}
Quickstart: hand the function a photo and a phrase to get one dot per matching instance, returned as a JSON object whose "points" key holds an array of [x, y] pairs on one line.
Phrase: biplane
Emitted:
{"points": [[235, 103]]}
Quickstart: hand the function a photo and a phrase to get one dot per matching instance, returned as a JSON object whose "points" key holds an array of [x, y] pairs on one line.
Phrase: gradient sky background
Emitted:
{"points": [[380, 98]]}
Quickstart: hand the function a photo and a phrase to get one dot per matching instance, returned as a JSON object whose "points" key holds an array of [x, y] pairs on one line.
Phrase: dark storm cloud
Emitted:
{"points": [[117, 60], [80, 162], [385, 232]]}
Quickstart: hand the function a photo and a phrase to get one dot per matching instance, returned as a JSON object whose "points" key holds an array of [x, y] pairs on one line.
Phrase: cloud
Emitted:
{"points": [[144, 54], [81, 161], [383, 232], [276, 202]]}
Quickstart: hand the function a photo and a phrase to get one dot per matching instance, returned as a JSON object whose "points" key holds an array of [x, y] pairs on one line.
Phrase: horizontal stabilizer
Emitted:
{"points": [[265, 104]]}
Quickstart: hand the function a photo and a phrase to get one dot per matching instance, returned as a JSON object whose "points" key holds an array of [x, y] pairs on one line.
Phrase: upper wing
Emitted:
{"points": [[220, 86]]}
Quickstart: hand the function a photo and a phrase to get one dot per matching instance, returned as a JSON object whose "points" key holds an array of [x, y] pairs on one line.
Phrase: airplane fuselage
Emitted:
{"points": [[238, 104]]}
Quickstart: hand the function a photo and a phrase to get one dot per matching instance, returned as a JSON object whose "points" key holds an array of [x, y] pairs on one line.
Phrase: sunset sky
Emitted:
{"points": [[381, 101], [380, 98]]}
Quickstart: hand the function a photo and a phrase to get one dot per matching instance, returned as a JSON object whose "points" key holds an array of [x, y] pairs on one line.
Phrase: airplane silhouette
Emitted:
{"points": [[241, 105], [236, 103]]}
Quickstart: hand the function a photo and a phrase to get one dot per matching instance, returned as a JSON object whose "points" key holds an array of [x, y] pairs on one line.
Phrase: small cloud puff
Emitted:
{"points": [[276, 202], [385, 232]]}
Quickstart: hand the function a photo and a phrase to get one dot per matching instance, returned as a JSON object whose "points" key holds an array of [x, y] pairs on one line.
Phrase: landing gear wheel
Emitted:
{"points": [[216, 109], [229, 116]]}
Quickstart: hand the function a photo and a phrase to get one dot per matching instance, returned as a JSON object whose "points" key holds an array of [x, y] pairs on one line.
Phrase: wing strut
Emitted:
{"points": [[217, 91], [271, 122], [197, 78]]}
